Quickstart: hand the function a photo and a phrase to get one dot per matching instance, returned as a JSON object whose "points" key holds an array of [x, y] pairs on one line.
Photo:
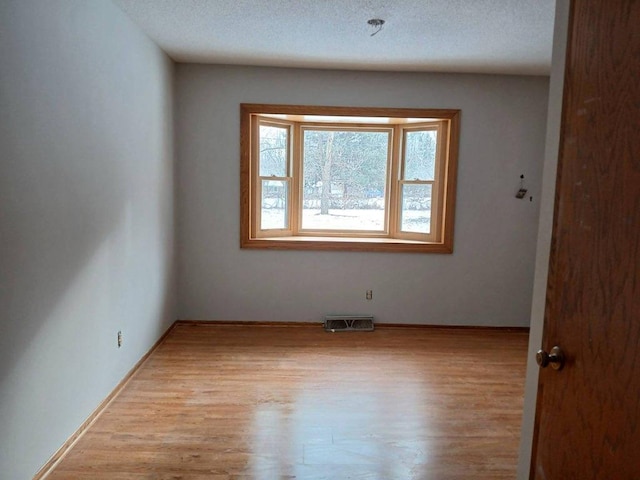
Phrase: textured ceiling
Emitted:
{"points": [[474, 36]]}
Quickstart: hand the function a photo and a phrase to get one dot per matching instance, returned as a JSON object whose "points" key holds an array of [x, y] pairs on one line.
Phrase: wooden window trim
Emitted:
{"points": [[347, 241]]}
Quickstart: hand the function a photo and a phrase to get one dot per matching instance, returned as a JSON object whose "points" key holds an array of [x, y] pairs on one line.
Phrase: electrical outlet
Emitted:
{"points": [[119, 338], [369, 295]]}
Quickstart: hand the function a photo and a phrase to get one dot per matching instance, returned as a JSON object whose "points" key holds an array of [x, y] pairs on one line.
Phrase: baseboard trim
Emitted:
{"points": [[57, 457], [244, 323], [484, 328]]}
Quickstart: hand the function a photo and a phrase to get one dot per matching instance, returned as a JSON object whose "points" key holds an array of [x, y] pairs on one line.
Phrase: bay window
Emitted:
{"points": [[348, 178]]}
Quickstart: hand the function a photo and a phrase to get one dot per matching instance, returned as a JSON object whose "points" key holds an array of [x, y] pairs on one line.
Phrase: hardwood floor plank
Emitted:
{"points": [[243, 402]]}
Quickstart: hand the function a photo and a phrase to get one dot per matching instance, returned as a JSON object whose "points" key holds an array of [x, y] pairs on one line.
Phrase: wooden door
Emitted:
{"points": [[588, 415]]}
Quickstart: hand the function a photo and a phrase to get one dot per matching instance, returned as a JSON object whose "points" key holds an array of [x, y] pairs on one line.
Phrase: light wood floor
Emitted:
{"points": [[265, 402]]}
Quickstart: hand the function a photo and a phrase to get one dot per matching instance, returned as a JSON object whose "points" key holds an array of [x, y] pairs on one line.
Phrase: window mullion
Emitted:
{"points": [[255, 190], [393, 184], [438, 189], [296, 184]]}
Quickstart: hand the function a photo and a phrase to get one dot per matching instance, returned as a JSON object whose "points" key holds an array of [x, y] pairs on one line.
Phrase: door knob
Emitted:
{"points": [[555, 358]]}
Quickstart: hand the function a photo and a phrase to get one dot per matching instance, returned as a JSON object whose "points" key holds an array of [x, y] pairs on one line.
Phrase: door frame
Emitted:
{"points": [[545, 227]]}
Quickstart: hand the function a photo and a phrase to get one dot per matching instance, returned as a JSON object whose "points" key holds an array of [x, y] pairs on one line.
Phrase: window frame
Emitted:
{"points": [[436, 184], [299, 161], [258, 184], [440, 239]]}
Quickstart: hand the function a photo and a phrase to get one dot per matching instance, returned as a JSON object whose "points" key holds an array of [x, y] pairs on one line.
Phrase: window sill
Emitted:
{"points": [[353, 244]]}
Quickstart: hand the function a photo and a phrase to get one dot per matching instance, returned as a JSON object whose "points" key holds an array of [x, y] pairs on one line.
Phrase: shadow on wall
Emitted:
{"points": [[54, 221], [86, 215], [83, 251]]}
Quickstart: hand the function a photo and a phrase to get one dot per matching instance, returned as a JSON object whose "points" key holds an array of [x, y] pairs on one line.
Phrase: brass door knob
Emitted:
{"points": [[555, 358]]}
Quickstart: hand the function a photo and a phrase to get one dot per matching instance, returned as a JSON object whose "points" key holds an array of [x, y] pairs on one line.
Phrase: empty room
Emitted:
{"points": [[318, 240]]}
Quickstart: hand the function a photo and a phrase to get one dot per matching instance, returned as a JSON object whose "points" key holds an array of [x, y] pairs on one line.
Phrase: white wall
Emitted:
{"points": [[488, 279], [86, 215], [544, 232]]}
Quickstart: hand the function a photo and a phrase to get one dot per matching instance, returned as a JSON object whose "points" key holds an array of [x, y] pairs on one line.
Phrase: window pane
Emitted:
{"points": [[420, 155], [273, 151], [275, 204], [344, 180], [416, 209]]}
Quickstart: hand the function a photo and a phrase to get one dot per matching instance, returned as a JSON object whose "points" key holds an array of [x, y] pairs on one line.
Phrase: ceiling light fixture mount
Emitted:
{"points": [[376, 23]]}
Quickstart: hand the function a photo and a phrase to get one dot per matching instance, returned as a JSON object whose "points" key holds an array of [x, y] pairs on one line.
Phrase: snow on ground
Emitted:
{"points": [[364, 220]]}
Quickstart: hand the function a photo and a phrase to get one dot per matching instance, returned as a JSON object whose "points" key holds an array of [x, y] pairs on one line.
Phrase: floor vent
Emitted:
{"points": [[348, 323]]}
